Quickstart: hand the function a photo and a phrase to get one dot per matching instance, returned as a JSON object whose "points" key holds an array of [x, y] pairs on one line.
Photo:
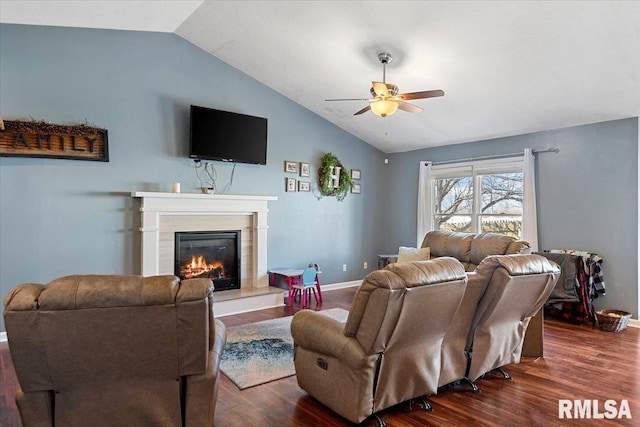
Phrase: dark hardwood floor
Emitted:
{"points": [[580, 362]]}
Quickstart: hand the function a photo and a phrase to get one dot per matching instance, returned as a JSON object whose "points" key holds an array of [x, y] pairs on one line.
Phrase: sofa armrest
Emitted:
{"points": [[201, 390], [322, 334], [194, 290], [23, 297], [36, 408], [200, 394]]}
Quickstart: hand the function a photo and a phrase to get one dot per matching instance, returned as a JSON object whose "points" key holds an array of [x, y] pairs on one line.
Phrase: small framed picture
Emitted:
{"points": [[291, 184], [291, 167], [305, 169], [304, 186], [355, 173], [356, 189]]}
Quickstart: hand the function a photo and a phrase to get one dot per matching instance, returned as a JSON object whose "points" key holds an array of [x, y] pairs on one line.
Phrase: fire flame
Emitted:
{"points": [[199, 267]]}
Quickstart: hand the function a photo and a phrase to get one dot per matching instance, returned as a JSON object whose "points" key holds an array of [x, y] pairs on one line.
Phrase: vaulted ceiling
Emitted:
{"points": [[506, 68]]}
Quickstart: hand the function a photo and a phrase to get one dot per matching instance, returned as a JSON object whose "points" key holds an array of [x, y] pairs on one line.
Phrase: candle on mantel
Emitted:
{"points": [[175, 187]]}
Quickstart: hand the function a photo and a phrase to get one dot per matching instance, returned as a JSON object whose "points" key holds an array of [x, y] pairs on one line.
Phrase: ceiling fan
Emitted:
{"points": [[386, 99]]}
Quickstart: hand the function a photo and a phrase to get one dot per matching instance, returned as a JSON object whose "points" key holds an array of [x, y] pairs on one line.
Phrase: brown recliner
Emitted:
{"points": [[502, 295], [518, 287], [388, 351], [106, 350], [455, 358], [471, 249]]}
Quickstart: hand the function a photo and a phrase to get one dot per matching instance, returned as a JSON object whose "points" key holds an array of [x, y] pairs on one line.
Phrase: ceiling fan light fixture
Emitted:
{"points": [[384, 107], [385, 99]]}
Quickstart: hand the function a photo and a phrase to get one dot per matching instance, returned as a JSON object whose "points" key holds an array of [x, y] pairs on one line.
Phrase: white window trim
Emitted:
{"points": [[470, 168]]}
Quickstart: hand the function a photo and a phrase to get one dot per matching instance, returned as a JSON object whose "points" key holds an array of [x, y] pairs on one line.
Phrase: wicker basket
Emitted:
{"points": [[613, 320]]}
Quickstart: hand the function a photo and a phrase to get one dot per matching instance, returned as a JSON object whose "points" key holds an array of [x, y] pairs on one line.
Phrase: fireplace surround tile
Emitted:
{"points": [[163, 214]]}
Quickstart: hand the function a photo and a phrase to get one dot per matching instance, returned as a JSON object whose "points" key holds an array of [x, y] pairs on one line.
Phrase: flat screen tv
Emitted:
{"points": [[226, 136]]}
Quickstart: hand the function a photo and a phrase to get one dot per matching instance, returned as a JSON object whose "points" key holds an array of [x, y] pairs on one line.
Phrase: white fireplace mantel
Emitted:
{"points": [[157, 207]]}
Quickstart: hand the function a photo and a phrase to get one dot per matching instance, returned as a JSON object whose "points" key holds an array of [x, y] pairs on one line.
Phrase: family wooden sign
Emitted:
{"points": [[41, 139]]}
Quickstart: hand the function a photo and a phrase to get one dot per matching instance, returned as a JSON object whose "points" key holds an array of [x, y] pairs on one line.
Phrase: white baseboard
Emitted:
{"points": [[244, 305], [341, 285], [3, 337], [634, 323]]}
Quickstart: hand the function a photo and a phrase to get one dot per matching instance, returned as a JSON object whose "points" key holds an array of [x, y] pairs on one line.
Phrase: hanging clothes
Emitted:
{"points": [[593, 268], [589, 285]]}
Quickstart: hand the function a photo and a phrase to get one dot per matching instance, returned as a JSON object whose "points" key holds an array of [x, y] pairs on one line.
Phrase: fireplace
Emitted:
{"points": [[209, 254], [164, 214]]}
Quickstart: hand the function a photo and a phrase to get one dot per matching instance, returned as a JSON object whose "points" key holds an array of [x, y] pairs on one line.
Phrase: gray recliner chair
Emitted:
{"points": [[388, 351], [101, 350]]}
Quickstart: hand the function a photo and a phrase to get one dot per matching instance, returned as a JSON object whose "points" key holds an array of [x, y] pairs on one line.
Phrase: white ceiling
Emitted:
{"points": [[507, 68]]}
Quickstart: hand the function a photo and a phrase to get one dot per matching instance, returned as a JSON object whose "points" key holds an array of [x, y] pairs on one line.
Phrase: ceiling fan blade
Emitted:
{"points": [[380, 89], [408, 107], [348, 99], [421, 95], [364, 110]]}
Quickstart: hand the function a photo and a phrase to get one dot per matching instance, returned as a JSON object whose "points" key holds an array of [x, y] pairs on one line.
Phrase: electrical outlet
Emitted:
{"points": [[366, 265], [344, 267]]}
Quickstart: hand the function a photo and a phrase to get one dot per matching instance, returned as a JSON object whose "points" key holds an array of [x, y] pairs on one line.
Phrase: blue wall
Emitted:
{"points": [[587, 196], [60, 217]]}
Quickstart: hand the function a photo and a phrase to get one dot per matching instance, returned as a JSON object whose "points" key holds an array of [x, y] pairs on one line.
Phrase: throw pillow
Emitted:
{"points": [[406, 254]]}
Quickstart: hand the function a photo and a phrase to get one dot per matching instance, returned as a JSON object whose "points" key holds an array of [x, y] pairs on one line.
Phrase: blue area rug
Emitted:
{"points": [[261, 352]]}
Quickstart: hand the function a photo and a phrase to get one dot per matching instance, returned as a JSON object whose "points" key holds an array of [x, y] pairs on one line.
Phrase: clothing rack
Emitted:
{"points": [[581, 271], [495, 156]]}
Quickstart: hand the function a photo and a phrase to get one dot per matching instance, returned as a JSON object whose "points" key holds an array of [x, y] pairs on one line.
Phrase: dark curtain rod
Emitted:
{"points": [[497, 156]]}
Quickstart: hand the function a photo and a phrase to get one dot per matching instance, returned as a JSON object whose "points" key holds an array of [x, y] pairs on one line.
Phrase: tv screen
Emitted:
{"points": [[227, 136]]}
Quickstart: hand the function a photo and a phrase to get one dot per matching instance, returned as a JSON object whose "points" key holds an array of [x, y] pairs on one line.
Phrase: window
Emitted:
{"points": [[482, 196]]}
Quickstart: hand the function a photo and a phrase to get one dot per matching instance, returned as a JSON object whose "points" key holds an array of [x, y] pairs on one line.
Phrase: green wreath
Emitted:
{"points": [[329, 160]]}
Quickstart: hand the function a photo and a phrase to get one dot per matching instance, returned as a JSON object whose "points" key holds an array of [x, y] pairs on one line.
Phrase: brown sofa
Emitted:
{"points": [[415, 326], [469, 248], [412, 327], [102, 350], [502, 295], [388, 351], [518, 287]]}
